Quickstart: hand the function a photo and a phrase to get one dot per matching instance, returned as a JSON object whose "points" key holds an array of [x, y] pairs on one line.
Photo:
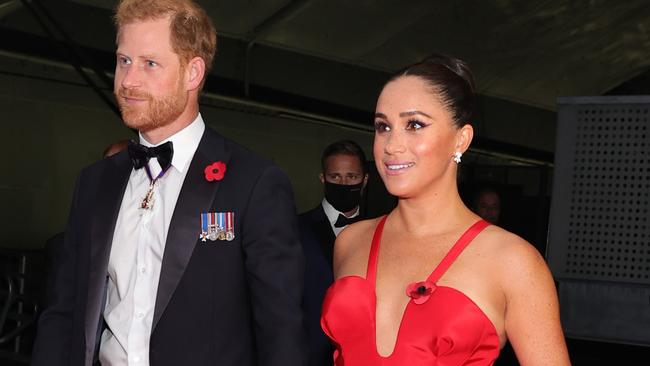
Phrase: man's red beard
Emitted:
{"points": [[154, 113]]}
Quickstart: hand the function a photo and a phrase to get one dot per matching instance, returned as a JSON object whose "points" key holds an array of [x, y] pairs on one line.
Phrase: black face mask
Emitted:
{"points": [[343, 197]]}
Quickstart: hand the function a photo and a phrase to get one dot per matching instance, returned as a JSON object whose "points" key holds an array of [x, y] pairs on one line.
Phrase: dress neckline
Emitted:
{"points": [[438, 271]]}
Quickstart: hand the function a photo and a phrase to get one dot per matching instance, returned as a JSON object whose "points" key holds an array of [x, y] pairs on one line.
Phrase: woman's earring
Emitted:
{"points": [[457, 156]]}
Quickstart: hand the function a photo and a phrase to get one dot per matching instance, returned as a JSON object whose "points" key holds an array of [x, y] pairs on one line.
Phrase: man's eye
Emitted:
{"points": [[123, 61], [152, 63]]}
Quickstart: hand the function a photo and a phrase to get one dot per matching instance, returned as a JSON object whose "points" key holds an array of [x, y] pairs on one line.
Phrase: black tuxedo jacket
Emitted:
{"points": [[317, 239], [218, 303]]}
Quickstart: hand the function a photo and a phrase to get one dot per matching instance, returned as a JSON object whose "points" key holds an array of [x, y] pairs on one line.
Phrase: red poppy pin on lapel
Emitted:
{"points": [[215, 171]]}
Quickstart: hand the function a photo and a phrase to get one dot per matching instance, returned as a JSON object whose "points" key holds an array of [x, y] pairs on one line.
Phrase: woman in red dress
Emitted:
{"points": [[431, 283]]}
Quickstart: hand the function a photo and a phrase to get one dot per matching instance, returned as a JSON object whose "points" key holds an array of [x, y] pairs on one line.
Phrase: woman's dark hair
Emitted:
{"points": [[451, 79]]}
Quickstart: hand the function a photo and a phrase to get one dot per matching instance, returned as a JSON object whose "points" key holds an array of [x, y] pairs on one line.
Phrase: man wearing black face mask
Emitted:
{"points": [[344, 177]]}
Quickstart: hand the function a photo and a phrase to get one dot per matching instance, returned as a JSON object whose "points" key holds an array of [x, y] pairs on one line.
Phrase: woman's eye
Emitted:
{"points": [[381, 127], [414, 125]]}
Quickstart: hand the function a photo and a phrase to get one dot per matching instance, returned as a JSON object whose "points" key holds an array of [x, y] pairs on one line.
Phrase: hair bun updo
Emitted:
{"points": [[451, 79]]}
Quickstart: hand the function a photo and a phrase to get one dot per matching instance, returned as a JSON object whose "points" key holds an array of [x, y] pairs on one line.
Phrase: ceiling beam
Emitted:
{"points": [[261, 29], [76, 56], [9, 7]]}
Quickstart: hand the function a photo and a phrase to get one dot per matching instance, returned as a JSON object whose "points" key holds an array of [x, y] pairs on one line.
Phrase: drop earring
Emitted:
{"points": [[457, 156]]}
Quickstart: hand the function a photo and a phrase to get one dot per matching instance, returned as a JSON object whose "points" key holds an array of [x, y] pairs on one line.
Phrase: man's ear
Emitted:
{"points": [[365, 181], [321, 177], [195, 70]]}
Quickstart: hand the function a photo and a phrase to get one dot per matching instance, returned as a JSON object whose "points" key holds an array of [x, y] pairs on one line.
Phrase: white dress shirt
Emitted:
{"points": [[137, 252], [333, 214]]}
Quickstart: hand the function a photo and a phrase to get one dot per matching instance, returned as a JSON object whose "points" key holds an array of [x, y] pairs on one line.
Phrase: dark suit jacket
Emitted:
{"points": [[317, 239], [218, 303]]}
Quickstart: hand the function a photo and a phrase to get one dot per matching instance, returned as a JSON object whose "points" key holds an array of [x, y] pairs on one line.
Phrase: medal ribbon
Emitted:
{"points": [[229, 225], [147, 202], [220, 221], [204, 222], [151, 179]]}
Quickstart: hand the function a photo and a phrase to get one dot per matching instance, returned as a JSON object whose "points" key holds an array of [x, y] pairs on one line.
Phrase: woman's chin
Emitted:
{"points": [[400, 191]]}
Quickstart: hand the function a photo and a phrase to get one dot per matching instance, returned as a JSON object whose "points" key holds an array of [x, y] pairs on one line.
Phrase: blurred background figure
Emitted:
{"points": [[116, 147], [487, 204], [344, 178]]}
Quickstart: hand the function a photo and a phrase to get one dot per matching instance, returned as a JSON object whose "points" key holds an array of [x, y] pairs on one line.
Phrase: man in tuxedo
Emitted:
{"points": [[184, 249], [344, 177]]}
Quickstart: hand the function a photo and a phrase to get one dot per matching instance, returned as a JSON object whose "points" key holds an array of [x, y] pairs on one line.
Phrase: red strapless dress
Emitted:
{"points": [[447, 329]]}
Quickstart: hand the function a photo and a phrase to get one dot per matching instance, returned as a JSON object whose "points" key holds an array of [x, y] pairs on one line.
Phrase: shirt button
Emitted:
{"points": [[143, 270], [139, 315]]}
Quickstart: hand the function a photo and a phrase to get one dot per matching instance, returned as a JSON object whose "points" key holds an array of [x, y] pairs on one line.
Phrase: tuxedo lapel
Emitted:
{"points": [[113, 181], [196, 197]]}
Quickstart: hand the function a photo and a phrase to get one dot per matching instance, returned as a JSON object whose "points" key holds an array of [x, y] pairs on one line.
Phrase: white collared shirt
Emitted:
{"points": [[137, 252], [333, 214]]}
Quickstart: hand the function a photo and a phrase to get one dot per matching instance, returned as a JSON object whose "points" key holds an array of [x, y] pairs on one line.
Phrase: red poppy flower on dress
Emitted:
{"points": [[215, 171], [420, 291]]}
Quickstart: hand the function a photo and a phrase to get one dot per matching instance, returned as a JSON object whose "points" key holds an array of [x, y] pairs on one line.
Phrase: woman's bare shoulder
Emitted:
{"points": [[352, 233], [516, 259], [352, 245], [531, 320], [505, 243]]}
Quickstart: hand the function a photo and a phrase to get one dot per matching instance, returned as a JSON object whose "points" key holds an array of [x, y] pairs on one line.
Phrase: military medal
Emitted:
{"points": [[217, 226], [203, 236], [204, 227], [148, 200], [213, 229], [209, 230], [230, 226], [221, 233]]}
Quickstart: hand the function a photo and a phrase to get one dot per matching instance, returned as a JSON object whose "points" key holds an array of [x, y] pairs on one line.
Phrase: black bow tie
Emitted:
{"points": [[141, 154], [343, 220]]}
